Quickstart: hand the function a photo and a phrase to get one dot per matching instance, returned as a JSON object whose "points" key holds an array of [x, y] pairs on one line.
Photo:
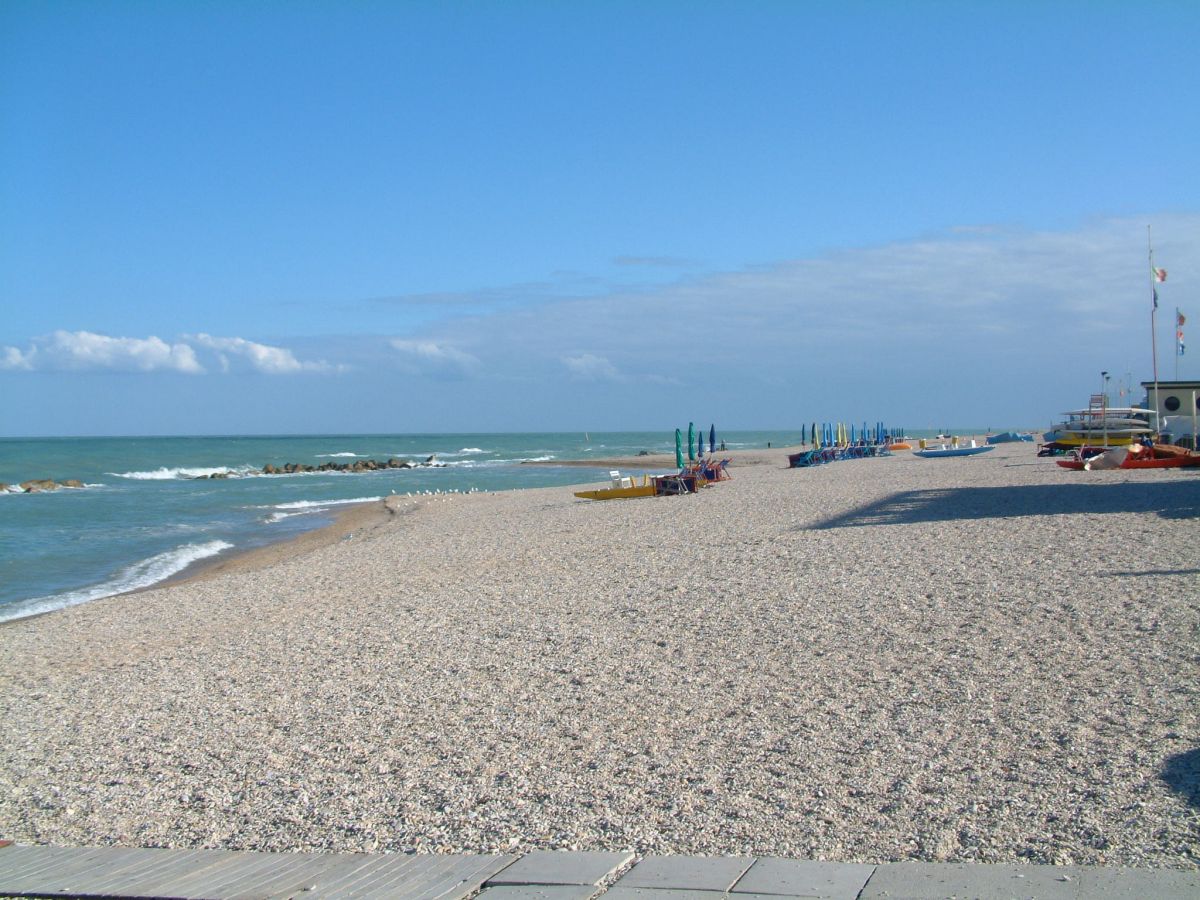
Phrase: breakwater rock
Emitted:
{"points": [[37, 485], [359, 465]]}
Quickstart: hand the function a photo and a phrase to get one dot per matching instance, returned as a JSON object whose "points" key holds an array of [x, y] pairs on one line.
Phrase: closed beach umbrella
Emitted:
{"points": [[691, 441], [678, 448], [712, 438]]}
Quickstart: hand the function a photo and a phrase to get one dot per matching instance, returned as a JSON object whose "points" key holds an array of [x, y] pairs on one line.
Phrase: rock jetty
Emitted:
{"points": [[359, 465], [37, 485]]}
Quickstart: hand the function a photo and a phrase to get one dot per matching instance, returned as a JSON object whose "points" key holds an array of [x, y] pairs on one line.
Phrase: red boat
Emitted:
{"points": [[1135, 456]]}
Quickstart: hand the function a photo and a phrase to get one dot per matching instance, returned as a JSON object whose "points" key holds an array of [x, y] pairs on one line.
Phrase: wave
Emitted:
{"points": [[139, 575], [184, 472], [320, 504], [307, 507], [335, 455], [300, 507], [471, 450]]}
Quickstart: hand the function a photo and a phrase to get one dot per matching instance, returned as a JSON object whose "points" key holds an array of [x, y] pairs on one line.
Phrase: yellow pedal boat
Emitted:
{"points": [[622, 487]]}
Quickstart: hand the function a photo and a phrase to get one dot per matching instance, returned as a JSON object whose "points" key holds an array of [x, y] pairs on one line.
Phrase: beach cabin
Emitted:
{"points": [[1174, 398], [1178, 406]]}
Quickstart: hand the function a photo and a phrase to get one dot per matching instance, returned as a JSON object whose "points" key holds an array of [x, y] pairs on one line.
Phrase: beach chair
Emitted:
{"points": [[673, 485]]}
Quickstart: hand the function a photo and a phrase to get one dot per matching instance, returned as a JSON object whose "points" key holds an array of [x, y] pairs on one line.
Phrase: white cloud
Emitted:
{"points": [[77, 351], [917, 324], [434, 357], [591, 367], [13, 358], [84, 350], [260, 357]]}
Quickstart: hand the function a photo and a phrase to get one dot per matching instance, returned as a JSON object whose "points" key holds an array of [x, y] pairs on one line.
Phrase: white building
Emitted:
{"points": [[1178, 405]]}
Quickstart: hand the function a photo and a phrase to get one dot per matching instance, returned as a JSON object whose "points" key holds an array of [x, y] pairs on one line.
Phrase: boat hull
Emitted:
{"points": [[1160, 456], [647, 490], [936, 453]]}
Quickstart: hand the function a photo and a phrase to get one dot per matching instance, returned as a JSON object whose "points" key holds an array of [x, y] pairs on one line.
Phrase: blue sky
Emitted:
{"points": [[324, 217]]}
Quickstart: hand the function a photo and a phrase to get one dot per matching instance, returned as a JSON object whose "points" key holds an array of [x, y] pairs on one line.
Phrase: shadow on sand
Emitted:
{"points": [[1182, 775], [1177, 499]]}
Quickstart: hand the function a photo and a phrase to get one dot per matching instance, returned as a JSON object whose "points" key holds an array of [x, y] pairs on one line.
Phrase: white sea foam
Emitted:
{"points": [[335, 455], [280, 516], [139, 575], [471, 450], [320, 504], [183, 472]]}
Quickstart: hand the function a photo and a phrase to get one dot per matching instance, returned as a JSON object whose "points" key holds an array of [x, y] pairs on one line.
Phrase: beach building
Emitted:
{"points": [[1178, 407], [1174, 398]]}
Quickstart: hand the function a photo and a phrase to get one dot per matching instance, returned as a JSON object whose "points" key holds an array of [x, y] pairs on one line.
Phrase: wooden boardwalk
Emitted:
{"points": [[107, 872]]}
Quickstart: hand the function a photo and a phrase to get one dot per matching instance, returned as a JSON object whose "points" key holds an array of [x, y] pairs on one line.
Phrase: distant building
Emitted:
{"points": [[1175, 398]]}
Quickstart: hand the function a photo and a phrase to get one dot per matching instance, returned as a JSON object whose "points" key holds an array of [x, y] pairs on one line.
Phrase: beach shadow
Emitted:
{"points": [[1182, 775], [1155, 572], [1171, 500]]}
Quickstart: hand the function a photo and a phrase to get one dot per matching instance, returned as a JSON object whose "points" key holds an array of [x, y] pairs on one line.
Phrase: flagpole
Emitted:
{"points": [[1177, 343], [1153, 338]]}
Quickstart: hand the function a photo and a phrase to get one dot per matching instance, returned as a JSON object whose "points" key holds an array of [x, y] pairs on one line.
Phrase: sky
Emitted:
{"points": [[329, 217]]}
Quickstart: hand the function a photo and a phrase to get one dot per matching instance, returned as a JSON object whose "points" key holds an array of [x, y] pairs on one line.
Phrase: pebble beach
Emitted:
{"points": [[983, 659]]}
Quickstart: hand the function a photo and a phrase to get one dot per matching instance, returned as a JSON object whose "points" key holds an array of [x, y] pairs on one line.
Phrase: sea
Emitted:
{"points": [[148, 509]]}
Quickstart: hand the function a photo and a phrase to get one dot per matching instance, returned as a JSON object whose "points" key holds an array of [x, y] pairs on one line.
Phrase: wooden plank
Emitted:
{"points": [[348, 873], [157, 865], [229, 877], [174, 866], [49, 870], [434, 877]]}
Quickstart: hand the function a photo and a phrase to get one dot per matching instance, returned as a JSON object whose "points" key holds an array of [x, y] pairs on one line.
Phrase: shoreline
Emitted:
{"points": [[866, 661], [371, 514], [347, 521]]}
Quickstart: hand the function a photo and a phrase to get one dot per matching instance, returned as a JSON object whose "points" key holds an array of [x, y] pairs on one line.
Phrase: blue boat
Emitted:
{"points": [[1008, 437], [938, 452]]}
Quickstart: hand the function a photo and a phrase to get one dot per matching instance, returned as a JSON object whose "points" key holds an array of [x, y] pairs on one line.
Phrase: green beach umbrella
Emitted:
{"points": [[691, 442], [678, 449]]}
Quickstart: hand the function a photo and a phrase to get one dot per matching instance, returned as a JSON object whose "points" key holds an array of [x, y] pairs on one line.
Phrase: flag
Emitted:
{"points": [[1160, 275], [1179, 319], [1155, 297]]}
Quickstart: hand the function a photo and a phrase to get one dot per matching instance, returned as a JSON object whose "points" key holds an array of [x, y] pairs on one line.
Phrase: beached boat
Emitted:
{"points": [[943, 451], [613, 493], [622, 487], [1100, 424], [1135, 456]]}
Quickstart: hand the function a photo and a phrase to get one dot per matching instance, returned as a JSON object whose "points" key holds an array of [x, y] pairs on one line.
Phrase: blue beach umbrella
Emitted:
{"points": [[678, 449], [691, 442], [712, 438]]}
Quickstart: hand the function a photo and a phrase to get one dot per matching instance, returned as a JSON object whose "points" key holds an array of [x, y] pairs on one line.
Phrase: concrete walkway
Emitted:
{"points": [[546, 875]]}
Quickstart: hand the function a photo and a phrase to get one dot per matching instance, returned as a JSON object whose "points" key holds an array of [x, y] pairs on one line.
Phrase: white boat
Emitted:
{"points": [[943, 450], [1101, 424]]}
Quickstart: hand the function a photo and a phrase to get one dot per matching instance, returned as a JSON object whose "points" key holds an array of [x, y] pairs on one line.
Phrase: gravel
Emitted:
{"points": [[982, 659]]}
